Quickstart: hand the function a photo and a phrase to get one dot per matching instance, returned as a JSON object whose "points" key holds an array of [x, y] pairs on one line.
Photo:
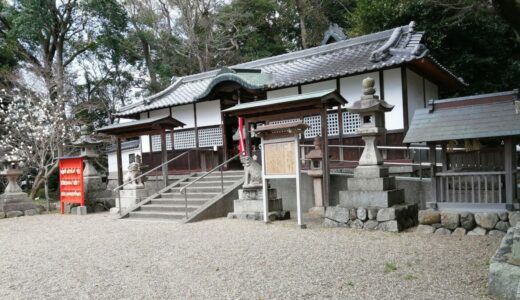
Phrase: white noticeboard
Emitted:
{"points": [[281, 159]]}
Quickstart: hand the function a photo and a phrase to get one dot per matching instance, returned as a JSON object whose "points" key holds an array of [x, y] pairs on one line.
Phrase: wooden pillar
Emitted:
{"points": [[247, 138], [196, 128], [164, 157], [325, 148], [510, 170], [119, 162], [444, 157], [433, 171]]}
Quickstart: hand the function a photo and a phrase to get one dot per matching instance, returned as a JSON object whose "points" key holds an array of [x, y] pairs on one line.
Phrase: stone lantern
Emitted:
{"points": [[93, 184], [14, 202], [316, 172], [371, 186]]}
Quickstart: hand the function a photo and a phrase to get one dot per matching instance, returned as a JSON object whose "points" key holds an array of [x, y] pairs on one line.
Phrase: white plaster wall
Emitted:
{"points": [[415, 93], [145, 143], [208, 113], [124, 120], [184, 113], [319, 86], [351, 89], [160, 112], [394, 95], [432, 91], [112, 159], [282, 92]]}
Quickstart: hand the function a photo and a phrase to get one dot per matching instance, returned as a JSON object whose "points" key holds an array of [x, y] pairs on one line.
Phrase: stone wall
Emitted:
{"points": [[504, 267], [392, 219], [462, 223]]}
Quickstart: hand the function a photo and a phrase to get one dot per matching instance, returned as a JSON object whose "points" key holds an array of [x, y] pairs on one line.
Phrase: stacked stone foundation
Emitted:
{"points": [[466, 223], [391, 219]]}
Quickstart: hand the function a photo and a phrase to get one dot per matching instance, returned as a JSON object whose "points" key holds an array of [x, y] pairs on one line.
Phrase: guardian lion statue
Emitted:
{"points": [[253, 172], [134, 171]]}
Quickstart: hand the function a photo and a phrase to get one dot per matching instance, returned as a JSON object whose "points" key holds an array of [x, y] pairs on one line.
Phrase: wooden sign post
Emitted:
{"points": [[281, 158]]}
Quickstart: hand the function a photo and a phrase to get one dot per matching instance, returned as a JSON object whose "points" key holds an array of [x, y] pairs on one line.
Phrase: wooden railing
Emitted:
{"points": [[470, 187]]}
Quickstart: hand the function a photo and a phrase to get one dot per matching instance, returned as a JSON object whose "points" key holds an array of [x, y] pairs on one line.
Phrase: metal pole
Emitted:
{"points": [[189, 161], [186, 202], [221, 180], [119, 201], [420, 165]]}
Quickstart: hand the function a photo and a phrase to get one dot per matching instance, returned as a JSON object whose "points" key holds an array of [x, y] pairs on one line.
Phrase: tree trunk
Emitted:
{"points": [[149, 65], [300, 7], [47, 197]]}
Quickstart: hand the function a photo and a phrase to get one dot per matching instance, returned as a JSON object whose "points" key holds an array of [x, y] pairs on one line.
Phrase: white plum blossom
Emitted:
{"points": [[34, 128]]}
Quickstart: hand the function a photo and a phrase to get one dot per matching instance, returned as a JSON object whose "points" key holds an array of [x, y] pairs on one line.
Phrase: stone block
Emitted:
{"points": [[338, 214], [478, 231], [330, 223], [370, 172], [115, 211], [503, 216], [371, 184], [425, 229], [13, 214], [317, 211], [371, 198], [389, 226], [429, 217], [437, 225], [81, 211], [514, 218], [2, 215], [495, 232], [256, 194], [30, 212], [392, 213], [504, 280], [40, 208], [357, 224], [486, 220], [362, 214], [352, 214], [450, 220], [467, 220], [371, 225], [459, 231], [443, 231], [241, 206], [502, 226], [372, 213]]}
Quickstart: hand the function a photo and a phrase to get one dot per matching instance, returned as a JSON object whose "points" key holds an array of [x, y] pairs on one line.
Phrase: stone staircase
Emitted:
{"points": [[169, 203]]}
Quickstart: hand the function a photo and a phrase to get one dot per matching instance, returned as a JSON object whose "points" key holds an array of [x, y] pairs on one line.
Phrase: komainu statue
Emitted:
{"points": [[134, 171], [253, 173]]}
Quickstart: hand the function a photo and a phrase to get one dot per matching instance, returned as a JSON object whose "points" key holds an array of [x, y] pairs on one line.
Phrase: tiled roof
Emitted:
{"points": [[481, 116], [352, 56]]}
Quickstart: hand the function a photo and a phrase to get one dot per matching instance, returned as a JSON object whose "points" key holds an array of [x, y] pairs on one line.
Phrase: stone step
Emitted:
{"points": [[191, 194], [168, 207], [198, 189], [213, 177], [157, 215], [208, 183], [191, 201]]}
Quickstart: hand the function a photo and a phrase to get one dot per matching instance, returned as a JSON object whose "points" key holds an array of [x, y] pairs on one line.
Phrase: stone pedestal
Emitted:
{"points": [[130, 197], [250, 205], [371, 200], [14, 199]]}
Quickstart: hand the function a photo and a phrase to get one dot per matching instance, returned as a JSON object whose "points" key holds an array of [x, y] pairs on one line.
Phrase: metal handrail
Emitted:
{"points": [[118, 188], [149, 171], [219, 167]]}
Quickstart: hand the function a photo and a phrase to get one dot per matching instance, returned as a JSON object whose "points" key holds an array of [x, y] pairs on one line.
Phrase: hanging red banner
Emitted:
{"points": [[241, 145], [71, 181]]}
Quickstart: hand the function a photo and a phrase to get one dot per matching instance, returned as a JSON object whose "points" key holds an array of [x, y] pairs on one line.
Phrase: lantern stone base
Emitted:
{"points": [[17, 202], [391, 219], [250, 205], [371, 198]]}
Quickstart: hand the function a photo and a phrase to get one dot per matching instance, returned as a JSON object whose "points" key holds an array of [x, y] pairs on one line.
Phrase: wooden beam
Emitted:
{"points": [[510, 169], [164, 158], [119, 162], [404, 84], [433, 171]]}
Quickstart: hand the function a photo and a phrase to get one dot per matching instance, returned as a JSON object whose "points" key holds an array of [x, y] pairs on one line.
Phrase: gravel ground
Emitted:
{"points": [[95, 257]]}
